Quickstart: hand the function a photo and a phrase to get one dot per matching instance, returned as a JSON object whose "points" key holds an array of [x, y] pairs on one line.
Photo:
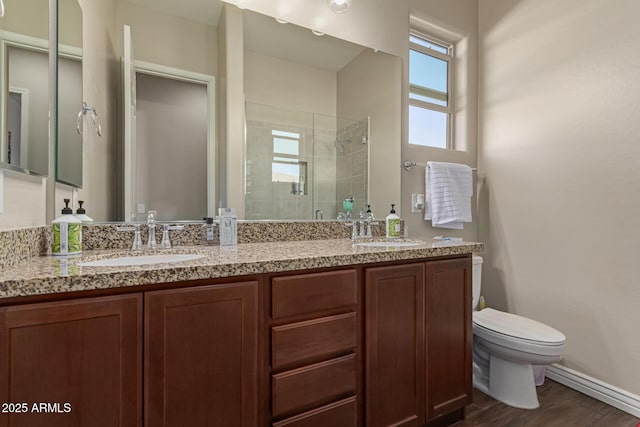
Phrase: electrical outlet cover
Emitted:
{"points": [[417, 203]]}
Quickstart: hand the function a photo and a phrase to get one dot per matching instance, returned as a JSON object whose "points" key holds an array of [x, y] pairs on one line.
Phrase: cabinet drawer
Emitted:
{"points": [[313, 385], [313, 339], [338, 414], [309, 293]]}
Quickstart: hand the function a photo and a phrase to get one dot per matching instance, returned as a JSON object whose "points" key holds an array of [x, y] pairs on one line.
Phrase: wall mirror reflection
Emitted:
{"points": [[24, 95], [69, 138], [168, 163]]}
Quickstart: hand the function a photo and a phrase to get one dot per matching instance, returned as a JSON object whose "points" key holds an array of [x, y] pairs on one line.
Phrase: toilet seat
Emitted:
{"points": [[517, 332]]}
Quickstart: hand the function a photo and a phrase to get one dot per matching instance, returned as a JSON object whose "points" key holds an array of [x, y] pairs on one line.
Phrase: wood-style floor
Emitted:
{"points": [[560, 406]]}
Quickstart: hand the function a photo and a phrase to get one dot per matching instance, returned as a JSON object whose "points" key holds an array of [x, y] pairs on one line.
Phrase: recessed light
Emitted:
{"points": [[338, 6]]}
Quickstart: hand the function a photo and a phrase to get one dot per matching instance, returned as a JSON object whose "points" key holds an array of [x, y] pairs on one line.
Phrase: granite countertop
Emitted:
{"points": [[47, 274]]}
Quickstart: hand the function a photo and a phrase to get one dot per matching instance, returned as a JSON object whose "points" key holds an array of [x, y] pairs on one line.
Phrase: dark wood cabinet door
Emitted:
{"points": [[73, 363], [449, 336], [394, 346], [201, 356]]}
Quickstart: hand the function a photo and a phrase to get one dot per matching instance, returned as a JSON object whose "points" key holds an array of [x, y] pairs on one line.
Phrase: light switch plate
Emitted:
{"points": [[141, 208], [417, 203]]}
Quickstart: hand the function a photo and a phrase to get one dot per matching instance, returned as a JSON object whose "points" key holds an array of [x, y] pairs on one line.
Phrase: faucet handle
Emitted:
{"points": [[151, 217], [137, 240], [166, 242]]}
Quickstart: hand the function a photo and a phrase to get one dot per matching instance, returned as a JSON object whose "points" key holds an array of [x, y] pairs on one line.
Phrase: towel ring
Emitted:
{"points": [[94, 118]]}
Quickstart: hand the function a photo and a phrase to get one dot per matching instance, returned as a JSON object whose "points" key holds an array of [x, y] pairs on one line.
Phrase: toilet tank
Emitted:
{"points": [[476, 278]]}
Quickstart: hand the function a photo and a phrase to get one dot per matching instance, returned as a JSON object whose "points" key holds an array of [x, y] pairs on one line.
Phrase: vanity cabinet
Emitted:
{"points": [[418, 340], [201, 352], [395, 345], [199, 366], [77, 361], [367, 345], [449, 337], [313, 330]]}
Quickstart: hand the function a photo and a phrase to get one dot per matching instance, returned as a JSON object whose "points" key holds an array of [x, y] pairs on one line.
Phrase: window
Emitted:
{"points": [[430, 108], [286, 166]]}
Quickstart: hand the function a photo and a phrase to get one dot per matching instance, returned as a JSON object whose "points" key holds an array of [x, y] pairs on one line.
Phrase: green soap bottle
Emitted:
{"points": [[67, 233], [393, 224]]}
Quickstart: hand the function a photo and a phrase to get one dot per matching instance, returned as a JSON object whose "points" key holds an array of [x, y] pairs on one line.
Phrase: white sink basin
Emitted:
{"points": [[389, 244], [141, 260]]}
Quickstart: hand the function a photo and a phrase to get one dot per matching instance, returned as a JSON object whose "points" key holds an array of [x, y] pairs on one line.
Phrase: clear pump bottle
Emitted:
{"points": [[208, 232]]}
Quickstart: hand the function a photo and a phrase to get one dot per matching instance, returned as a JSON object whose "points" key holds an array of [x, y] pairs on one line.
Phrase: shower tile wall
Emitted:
{"points": [[352, 165], [265, 199]]}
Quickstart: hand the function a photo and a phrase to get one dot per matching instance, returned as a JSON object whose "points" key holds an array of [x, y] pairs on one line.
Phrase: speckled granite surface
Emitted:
{"points": [[107, 236], [47, 274], [22, 243]]}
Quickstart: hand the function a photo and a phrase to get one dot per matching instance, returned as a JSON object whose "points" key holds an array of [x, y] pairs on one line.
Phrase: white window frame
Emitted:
{"points": [[449, 58]]}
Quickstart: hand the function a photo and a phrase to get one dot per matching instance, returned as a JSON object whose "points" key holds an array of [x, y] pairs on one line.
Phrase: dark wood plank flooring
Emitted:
{"points": [[560, 406]]}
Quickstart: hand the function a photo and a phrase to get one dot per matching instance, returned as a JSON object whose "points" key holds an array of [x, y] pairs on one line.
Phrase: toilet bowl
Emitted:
{"points": [[505, 348]]}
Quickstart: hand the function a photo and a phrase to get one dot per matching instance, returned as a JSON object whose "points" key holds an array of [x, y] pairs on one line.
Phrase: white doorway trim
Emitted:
{"points": [[208, 80]]}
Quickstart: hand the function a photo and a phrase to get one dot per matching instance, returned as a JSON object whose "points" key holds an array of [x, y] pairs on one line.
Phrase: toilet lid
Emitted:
{"points": [[517, 326]]}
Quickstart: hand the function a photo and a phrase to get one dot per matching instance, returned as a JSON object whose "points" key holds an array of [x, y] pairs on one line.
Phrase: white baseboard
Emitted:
{"points": [[614, 396]]}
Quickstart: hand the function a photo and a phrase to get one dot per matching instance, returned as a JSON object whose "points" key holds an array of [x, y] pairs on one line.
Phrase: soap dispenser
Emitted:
{"points": [[208, 232], [81, 214], [67, 233], [393, 224]]}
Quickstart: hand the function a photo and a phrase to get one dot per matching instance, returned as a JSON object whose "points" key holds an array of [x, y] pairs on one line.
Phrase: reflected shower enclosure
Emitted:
{"points": [[301, 166]]}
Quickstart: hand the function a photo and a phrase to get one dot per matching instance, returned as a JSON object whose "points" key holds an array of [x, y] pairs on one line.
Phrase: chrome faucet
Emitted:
{"points": [[151, 229], [361, 229], [166, 242]]}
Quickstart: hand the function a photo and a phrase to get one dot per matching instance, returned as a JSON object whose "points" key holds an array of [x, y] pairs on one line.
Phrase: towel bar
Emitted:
{"points": [[408, 165]]}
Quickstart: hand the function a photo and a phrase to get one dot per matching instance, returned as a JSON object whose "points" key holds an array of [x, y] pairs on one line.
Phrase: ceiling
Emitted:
{"points": [[264, 35]]}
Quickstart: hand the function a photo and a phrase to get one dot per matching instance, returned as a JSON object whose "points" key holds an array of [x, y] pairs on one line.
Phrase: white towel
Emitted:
{"points": [[449, 188]]}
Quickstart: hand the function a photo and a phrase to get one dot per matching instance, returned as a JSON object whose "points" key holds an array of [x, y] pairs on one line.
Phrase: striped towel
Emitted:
{"points": [[449, 187]]}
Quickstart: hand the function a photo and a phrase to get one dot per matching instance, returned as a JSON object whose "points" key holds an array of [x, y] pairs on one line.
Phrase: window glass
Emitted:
{"points": [[286, 146], [428, 78], [427, 127], [285, 172]]}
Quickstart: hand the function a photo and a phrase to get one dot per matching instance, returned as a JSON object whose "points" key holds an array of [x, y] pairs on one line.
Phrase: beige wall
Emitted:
{"points": [[101, 90], [370, 86], [285, 84], [24, 200], [559, 158], [454, 21], [378, 24], [29, 17], [168, 40], [69, 23], [231, 103]]}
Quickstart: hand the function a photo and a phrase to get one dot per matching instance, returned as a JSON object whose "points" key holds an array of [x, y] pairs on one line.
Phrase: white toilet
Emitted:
{"points": [[505, 346]]}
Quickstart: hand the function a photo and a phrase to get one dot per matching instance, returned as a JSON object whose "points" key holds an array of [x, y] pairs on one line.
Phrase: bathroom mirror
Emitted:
{"points": [[69, 138], [24, 96], [184, 36]]}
